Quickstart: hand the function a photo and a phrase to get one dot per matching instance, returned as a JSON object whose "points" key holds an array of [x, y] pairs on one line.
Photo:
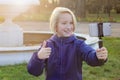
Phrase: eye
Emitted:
{"points": [[71, 22], [64, 23]]}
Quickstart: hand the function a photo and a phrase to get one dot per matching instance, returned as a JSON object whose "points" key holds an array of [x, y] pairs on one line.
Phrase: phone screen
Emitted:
{"points": [[93, 29]]}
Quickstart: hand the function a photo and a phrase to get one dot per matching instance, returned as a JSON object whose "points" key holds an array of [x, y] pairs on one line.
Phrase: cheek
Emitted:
{"points": [[73, 28], [59, 28]]}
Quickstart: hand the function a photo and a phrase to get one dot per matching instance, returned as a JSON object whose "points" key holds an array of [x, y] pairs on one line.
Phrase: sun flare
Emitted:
{"points": [[19, 2]]}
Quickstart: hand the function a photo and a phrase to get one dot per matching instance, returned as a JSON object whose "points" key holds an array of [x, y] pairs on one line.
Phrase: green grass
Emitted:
{"points": [[109, 71], [17, 72]]}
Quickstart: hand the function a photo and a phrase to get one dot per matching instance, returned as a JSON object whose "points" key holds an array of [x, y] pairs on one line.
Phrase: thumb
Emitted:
{"points": [[44, 44]]}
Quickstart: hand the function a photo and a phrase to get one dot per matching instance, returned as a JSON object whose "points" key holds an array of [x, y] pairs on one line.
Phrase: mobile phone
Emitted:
{"points": [[94, 30]]}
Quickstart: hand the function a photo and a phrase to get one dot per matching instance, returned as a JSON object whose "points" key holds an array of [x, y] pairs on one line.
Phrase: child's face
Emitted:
{"points": [[65, 25]]}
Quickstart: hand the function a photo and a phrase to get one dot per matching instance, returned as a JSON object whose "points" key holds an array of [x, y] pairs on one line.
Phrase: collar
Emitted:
{"points": [[63, 39]]}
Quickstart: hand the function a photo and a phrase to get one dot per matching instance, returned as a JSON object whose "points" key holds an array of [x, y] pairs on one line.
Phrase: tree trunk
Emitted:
{"points": [[80, 8]]}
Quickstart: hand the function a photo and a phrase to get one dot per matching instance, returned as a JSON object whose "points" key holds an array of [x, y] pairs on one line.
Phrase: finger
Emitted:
{"points": [[104, 52], [103, 49], [102, 57], [48, 51], [48, 48], [44, 44], [47, 56], [98, 51]]}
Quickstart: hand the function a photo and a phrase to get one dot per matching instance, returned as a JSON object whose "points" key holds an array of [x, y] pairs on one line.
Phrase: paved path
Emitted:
{"points": [[83, 27]]}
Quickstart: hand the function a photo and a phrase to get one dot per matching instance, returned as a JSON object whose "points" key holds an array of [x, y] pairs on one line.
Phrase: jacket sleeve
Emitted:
{"points": [[35, 65], [88, 54]]}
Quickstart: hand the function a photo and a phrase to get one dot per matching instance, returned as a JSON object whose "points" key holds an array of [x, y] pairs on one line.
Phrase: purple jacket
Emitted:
{"points": [[65, 61]]}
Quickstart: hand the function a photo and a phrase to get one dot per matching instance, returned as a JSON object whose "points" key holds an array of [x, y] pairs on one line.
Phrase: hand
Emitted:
{"points": [[102, 53], [44, 51]]}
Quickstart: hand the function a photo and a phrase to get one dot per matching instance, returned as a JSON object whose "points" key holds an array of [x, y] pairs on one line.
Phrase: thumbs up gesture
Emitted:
{"points": [[44, 51]]}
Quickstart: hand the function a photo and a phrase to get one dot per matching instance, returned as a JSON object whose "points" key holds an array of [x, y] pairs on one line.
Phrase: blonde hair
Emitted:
{"points": [[55, 15]]}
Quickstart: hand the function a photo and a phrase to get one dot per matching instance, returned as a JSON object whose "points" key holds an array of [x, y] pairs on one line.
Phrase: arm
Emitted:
{"points": [[89, 55], [37, 62], [35, 65]]}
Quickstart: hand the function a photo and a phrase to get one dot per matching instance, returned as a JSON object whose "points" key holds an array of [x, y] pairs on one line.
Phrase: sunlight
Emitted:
{"points": [[12, 8], [16, 5], [50, 1], [19, 2]]}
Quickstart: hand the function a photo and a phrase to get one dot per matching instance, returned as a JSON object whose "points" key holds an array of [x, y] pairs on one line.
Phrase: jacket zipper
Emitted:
{"points": [[61, 58]]}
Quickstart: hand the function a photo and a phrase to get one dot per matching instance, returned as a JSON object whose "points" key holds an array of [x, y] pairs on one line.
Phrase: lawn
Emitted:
{"points": [[110, 71]]}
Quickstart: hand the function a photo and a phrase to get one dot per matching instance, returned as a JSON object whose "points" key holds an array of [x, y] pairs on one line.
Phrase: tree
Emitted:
{"points": [[66, 3], [80, 10]]}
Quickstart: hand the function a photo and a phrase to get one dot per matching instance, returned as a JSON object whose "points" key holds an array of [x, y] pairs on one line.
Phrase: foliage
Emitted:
{"points": [[89, 10], [44, 15]]}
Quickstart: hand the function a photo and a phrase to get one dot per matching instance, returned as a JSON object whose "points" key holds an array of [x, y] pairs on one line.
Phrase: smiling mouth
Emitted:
{"points": [[67, 31]]}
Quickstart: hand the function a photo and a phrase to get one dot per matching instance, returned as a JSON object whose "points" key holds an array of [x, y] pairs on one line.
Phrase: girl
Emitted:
{"points": [[62, 55]]}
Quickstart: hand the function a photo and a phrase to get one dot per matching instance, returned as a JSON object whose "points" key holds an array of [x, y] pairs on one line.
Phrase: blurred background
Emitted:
{"points": [[86, 11]]}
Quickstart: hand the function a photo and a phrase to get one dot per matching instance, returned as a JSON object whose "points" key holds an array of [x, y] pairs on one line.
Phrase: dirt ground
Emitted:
{"points": [[83, 27]]}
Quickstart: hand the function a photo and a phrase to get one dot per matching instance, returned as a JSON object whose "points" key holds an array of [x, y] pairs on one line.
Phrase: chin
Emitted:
{"points": [[67, 35]]}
